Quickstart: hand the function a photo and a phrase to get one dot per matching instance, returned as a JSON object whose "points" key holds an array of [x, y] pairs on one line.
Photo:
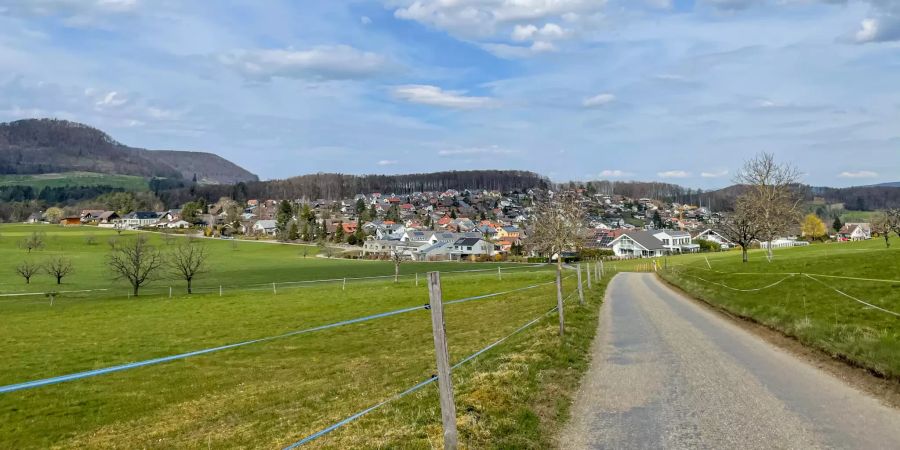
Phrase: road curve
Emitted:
{"points": [[668, 373]]}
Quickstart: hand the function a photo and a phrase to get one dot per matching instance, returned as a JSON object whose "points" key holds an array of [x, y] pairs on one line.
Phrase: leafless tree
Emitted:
{"points": [[59, 267], [886, 222], [188, 261], [771, 199], [27, 269], [135, 261], [167, 235], [558, 227], [34, 241], [741, 228], [397, 258]]}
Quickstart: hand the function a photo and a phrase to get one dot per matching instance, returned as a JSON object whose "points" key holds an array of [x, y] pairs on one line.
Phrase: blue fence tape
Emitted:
{"points": [[92, 373]]}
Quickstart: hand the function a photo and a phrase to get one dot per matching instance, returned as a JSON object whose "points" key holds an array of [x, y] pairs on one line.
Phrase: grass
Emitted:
{"points": [[271, 394], [810, 311], [38, 182], [232, 264]]}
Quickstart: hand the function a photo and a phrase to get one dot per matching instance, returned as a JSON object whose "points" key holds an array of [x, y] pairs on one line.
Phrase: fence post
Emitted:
{"points": [[559, 303], [274, 291], [445, 383], [499, 274], [588, 271], [170, 291], [344, 285], [417, 279], [220, 290], [580, 288]]}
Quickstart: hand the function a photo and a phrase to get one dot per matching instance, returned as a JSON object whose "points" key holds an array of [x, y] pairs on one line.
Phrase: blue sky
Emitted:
{"points": [[680, 91]]}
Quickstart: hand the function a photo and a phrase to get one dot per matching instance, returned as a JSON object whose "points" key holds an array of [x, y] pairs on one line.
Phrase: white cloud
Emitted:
{"points": [[715, 174], [387, 162], [111, 100], [365, 20], [673, 174], [507, 51], [615, 173], [323, 62], [858, 174], [598, 100], [530, 32], [490, 150], [432, 95]]}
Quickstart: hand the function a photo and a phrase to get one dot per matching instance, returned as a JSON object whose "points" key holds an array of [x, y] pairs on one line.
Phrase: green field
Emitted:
{"points": [[806, 303], [38, 182], [273, 393]]}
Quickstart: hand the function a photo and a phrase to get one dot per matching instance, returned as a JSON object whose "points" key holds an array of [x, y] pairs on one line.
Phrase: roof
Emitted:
{"points": [[265, 224], [143, 215], [674, 233], [467, 242], [644, 239]]}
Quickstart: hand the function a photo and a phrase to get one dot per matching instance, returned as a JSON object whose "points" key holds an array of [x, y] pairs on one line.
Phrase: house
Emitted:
{"points": [[855, 232], [140, 219], [676, 241], [107, 218], [91, 215], [783, 243], [471, 246], [73, 221], [37, 217], [637, 244], [713, 236], [265, 227]]}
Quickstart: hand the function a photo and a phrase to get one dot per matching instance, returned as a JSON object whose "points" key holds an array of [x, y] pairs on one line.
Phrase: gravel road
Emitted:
{"points": [[668, 373]]}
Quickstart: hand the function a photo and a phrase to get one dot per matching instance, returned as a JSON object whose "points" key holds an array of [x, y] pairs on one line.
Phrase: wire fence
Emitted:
{"points": [[173, 290]]}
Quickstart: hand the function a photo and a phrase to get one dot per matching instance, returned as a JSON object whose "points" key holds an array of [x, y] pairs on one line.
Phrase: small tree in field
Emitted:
{"points": [[59, 267], [188, 260], [812, 227], [741, 228], [885, 223], [34, 241], [397, 258], [27, 269], [771, 199], [135, 261]]}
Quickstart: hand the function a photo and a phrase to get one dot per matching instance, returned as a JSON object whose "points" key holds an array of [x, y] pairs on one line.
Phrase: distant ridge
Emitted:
{"points": [[38, 146]]}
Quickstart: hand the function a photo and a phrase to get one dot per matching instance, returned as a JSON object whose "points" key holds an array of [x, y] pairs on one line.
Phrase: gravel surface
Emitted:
{"points": [[668, 373]]}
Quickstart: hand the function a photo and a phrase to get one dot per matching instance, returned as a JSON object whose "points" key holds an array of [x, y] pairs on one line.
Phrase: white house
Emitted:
{"points": [[676, 241], [713, 236], [265, 227], [855, 232], [471, 246], [637, 244], [140, 219]]}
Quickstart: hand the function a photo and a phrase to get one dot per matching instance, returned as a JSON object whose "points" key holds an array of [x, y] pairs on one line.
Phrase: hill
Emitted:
{"points": [[894, 184], [41, 146]]}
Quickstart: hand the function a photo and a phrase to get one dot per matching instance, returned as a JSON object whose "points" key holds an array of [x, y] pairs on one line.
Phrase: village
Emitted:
{"points": [[475, 225]]}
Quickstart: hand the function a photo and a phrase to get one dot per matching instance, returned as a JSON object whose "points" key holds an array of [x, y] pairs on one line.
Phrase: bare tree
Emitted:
{"points": [[135, 261], [34, 241], [59, 267], [558, 227], [188, 261], [885, 223], [740, 228], [771, 199], [27, 269], [397, 258]]}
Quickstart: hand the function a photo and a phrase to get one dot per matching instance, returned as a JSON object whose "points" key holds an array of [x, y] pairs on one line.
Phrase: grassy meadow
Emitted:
{"points": [[40, 181], [809, 309], [272, 393]]}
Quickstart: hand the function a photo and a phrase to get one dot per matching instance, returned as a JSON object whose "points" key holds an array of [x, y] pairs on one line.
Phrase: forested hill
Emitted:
{"points": [[38, 146], [333, 186]]}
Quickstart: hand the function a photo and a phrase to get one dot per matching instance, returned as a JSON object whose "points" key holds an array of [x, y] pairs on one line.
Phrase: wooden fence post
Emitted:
{"points": [[445, 383], [220, 290], [274, 291], [559, 303], [588, 271], [170, 291], [344, 284], [417, 279], [499, 274], [580, 287]]}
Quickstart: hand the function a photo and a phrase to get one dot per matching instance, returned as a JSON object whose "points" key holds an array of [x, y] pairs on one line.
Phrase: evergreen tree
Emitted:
{"points": [[373, 213], [283, 219], [339, 232], [657, 220], [294, 234], [360, 207], [306, 233], [837, 225]]}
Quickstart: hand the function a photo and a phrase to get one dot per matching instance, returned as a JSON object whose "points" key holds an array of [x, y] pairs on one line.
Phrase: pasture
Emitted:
{"points": [[272, 393], [55, 180], [841, 298]]}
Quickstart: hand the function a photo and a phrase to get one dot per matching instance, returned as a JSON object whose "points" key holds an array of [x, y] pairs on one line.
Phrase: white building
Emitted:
{"points": [[676, 241], [637, 244], [714, 236]]}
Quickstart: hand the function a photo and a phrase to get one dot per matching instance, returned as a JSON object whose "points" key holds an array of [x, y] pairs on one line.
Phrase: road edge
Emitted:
{"points": [[861, 378]]}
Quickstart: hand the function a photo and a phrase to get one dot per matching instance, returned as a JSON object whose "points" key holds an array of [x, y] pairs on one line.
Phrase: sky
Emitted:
{"points": [[681, 91]]}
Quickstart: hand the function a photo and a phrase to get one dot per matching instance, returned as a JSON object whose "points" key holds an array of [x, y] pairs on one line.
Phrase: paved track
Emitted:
{"points": [[668, 373]]}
